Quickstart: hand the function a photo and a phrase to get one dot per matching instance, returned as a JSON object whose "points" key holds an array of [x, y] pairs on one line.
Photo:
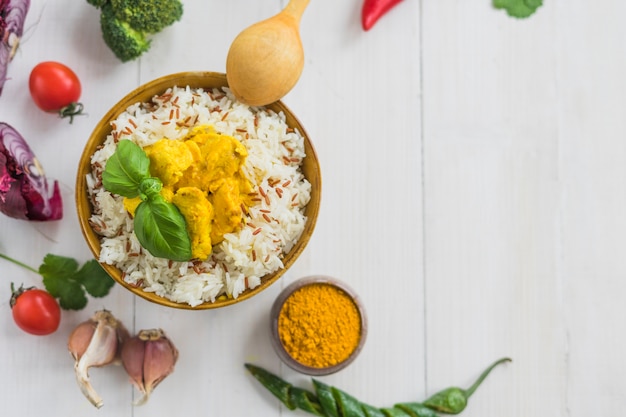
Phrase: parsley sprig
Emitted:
{"points": [[518, 8], [64, 280]]}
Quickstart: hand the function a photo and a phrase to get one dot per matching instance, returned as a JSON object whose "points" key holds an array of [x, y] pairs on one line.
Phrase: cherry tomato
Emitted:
{"points": [[55, 88], [35, 311]]}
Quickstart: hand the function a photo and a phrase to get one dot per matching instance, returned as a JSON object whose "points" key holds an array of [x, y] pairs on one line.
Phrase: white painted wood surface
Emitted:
{"points": [[474, 175]]}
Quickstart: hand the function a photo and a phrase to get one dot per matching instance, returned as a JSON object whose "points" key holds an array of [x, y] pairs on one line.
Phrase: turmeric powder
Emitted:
{"points": [[319, 325]]}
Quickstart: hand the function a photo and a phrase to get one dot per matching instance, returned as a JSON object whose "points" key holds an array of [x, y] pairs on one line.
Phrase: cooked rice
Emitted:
{"points": [[272, 225]]}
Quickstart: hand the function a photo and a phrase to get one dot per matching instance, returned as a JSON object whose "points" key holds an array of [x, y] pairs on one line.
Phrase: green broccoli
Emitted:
{"points": [[149, 16], [126, 24], [97, 3], [125, 42]]}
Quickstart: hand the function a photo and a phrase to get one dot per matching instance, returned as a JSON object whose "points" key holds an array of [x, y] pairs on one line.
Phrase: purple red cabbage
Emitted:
{"points": [[25, 192], [12, 17]]}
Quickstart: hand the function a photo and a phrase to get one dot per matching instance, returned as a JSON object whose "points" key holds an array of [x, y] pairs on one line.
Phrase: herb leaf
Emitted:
{"points": [[95, 279], [161, 229], [63, 280], [71, 297], [125, 169], [518, 8], [55, 265]]}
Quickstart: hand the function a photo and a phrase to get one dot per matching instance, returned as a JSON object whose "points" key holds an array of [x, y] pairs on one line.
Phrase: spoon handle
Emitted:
{"points": [[295, 8]]}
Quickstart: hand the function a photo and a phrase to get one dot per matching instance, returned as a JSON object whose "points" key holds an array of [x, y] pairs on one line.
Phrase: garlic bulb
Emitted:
{"points": [[94, 343], [148, 358]]}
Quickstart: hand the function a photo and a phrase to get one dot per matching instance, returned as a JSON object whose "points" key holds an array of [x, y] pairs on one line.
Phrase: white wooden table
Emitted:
{"points": [[474, 195]]}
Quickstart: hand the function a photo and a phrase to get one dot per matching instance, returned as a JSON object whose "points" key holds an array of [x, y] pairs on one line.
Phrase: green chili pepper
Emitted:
{"points": [[305, 400], [328, 401], [326, 398], [416, 409], [453, 400], [289, 395], [348, 405], [394, 412], [372, 411]]}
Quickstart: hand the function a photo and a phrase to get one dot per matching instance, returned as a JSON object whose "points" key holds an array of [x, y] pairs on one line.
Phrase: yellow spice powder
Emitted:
{"points": [[319, 325]]}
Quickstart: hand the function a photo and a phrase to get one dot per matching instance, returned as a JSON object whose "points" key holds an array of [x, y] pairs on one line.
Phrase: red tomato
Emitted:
{"points": [[35, 311], [55, 88]]}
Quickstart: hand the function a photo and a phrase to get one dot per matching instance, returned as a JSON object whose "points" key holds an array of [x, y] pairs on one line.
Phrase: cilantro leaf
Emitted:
{"points": [[518, 8], [57, 265], [53, 270], [72, 297], [63, 280], [95, 279]]}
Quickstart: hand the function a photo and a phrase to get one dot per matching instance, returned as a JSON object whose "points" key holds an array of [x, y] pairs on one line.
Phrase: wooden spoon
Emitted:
{"points": [[266, 59]]}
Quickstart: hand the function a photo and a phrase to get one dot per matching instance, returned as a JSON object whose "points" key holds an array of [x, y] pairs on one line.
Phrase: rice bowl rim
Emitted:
{"points": [[194, 79]]}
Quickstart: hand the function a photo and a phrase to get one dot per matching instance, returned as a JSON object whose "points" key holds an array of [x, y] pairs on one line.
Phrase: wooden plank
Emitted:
{"points": [[359, 101], [492, 206], [38, 374], [592, 153], [213, 345], [359, 97]]}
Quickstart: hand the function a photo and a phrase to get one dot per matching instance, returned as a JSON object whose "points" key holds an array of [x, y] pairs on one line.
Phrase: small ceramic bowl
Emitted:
{"points": [[296, 309], [206, 80]]}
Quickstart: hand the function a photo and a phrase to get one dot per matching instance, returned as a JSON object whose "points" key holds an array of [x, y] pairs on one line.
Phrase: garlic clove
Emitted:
{"points": [[159, 360], [132, 360], [148, 359], [94, 343], [80, 337]]}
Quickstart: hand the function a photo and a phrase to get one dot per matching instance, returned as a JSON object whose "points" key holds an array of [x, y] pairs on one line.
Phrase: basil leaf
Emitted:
{"points": [[125, 169], [162, 230]]}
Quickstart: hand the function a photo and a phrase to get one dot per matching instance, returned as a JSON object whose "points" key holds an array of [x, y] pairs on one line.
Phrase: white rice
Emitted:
{"points": [[240, 262]]}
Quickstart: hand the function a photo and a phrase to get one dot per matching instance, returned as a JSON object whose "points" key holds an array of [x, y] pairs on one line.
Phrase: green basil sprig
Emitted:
{"points": [[159, 226]]}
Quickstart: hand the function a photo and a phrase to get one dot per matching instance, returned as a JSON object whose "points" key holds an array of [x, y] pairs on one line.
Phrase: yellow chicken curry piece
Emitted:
{"points": [[202, 176]]}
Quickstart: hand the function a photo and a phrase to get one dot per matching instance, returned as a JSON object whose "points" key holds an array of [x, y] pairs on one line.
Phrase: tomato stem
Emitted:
{"points": [[16, 262], [16, 293], [71, 110]]}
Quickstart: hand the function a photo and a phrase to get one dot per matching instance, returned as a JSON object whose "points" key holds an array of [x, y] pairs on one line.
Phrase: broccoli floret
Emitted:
{"points": [[126, 24], [97, 3], [125, 42], [149, 16]]}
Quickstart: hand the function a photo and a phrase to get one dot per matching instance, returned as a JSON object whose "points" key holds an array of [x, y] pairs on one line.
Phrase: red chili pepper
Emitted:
{"points": [[374, 10]]}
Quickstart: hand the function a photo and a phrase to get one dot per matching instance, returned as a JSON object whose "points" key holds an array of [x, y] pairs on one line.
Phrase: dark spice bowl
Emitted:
{"points": [[318, 325]]}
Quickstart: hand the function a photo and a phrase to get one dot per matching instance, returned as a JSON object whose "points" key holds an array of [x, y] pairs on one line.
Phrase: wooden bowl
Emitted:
{"points": [[207, 80]]}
